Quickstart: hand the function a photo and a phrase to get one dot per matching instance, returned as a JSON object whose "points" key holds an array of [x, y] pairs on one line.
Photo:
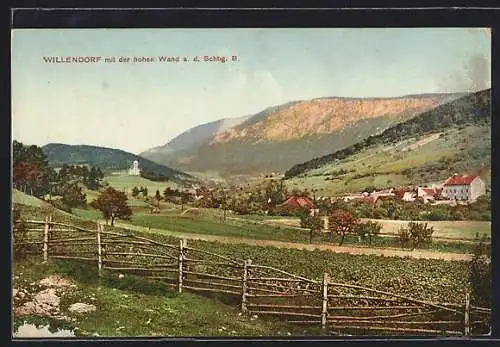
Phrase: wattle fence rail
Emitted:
{"points": [[263, 290]]}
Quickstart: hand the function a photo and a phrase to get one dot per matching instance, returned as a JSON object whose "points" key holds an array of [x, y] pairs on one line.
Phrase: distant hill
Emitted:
{"points": [[453, 138], [193, 137], [281, 136], [106, 158]]}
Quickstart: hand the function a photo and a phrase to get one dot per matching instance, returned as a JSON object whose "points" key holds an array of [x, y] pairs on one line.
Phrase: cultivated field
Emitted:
{"points": [[457, 230], [429, 279]]}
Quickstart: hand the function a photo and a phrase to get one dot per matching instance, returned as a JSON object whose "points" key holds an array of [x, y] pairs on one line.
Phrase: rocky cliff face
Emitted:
{"points": [[325, 116]]}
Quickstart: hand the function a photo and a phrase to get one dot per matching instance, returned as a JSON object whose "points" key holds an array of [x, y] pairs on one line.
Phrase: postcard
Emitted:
{"points": [[251, 182]]}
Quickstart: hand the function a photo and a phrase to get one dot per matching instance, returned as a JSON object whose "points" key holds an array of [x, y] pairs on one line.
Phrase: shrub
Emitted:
{"points": [[59, 204], [19, 235], [313, 223], [404, 237], [415, 234], [368, 230], [480, 274]]}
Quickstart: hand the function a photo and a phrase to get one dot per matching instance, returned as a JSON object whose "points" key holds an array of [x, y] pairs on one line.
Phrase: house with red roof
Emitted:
{"points": [[464, 188], [429, 194], [405, 194], [297, 202]]}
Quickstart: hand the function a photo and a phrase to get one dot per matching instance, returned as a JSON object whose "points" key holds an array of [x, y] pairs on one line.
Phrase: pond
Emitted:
{"points": [[27, 330]]}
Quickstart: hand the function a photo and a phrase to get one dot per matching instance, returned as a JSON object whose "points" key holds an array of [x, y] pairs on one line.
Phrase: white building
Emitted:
{"points": [[409, 196], [134, 170], [464, 188]]}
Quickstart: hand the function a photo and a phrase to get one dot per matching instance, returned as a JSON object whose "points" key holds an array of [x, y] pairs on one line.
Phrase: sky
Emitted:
{"points": [[136, 106]]}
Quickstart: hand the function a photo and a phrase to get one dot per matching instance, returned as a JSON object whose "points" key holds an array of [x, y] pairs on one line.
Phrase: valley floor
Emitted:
{"points": [[417, 253]]}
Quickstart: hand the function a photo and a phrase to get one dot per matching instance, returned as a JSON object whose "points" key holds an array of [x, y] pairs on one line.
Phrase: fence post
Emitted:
{"points": [[99, 248], [244, 286], [467, 313], [182, 244], [46, 240], [324, 310]]}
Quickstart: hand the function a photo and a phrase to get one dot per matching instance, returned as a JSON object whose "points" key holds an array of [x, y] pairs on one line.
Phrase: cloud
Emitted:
{"points": [[473, 76]]}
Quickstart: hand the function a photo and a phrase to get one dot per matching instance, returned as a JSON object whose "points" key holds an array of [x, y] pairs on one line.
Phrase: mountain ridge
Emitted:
{"points": [[304, 125], [470, 108]]}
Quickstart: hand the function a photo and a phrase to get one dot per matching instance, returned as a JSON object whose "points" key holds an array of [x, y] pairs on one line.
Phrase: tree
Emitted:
{"points": [[480, 274], [73, 196], [158, 199], [135, 192], [313, 223], [415, 234], [29, 177], [94, 178], [404, 237], [113, 205], [19, 236], [368, 230], [341, 223]]}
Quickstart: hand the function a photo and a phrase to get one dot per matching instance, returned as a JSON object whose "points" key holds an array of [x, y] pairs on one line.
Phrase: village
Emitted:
{"points": [[456, 190]]}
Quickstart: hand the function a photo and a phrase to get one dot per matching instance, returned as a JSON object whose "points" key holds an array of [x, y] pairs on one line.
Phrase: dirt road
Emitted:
{"points": [[418, 253]]}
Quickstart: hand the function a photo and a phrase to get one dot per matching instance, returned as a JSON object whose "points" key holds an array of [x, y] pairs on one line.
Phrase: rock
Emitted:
{"points": [[46, 300], [55, 281], [121, 275], [80, 307], [120, 328], [95, 334], [64, 318], [26, 309], [14, 292], [233, 332]]}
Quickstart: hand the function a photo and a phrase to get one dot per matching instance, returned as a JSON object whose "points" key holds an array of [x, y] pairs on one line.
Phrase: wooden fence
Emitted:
{"points": [[263, 290]]}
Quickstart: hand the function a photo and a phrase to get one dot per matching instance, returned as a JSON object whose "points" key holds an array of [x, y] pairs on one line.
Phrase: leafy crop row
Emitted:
{"points": [[427, 279]]}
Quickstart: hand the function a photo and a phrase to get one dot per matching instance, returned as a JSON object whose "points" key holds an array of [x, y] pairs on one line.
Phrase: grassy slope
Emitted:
{"points": [[142, 308], [127, 182], [19, 197], [471, 109], [383, 165]]}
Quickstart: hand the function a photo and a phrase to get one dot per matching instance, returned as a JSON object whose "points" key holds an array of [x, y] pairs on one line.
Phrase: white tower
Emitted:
{"points": [[134, 170]]}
